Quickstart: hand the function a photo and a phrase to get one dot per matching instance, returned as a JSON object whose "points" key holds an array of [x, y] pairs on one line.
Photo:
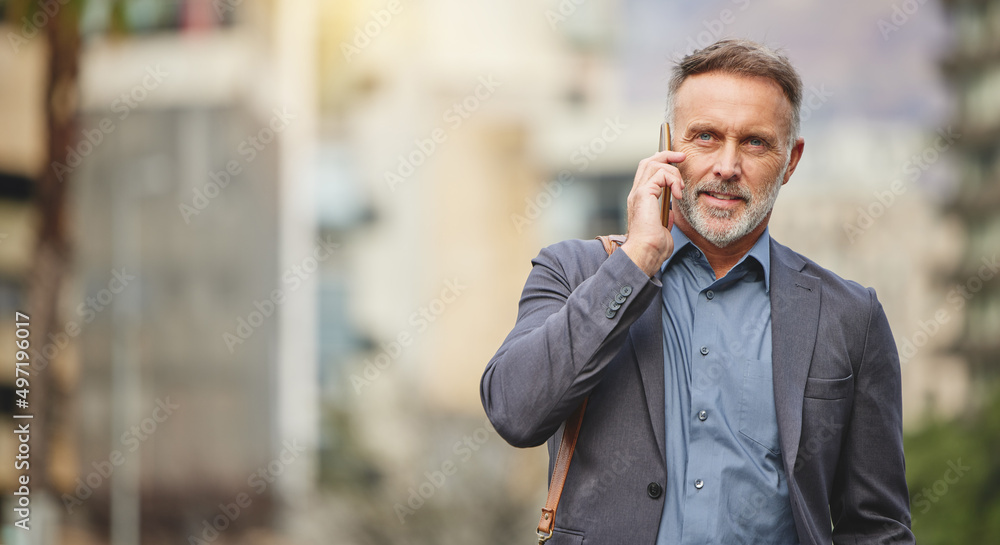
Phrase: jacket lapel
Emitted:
{"points": [[647, 340], [795, 300]]}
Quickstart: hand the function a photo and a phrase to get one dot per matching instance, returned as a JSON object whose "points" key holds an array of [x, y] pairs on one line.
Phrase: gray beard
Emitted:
{"points": [[753, 214]]}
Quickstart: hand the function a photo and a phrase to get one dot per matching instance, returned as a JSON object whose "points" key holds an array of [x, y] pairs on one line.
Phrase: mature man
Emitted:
{"points": [[737, 392]]}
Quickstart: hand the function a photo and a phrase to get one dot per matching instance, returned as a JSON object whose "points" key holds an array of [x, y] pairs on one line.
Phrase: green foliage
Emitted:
{"points": [[36, 14], [13, 10], [953, 471]]}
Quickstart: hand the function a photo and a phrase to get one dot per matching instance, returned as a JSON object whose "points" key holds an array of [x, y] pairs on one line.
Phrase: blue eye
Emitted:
{"points": [[756, 142], [704, 136]]}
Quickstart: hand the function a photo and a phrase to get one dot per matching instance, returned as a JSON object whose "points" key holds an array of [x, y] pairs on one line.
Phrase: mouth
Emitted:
{"points": [[719, 198]]}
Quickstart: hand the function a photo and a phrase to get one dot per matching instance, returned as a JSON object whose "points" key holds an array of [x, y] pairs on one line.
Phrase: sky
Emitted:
{"points": [[856, 50]]}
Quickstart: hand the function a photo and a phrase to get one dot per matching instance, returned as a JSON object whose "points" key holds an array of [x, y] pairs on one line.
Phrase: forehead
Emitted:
{"points": [[734, 99]]}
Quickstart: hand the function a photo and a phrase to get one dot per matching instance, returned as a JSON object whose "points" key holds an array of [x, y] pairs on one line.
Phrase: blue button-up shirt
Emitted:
{"points": [[725, 478]]}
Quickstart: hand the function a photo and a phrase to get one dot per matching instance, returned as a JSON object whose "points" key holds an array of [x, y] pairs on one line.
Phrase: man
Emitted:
{"points": [[737, 392]]}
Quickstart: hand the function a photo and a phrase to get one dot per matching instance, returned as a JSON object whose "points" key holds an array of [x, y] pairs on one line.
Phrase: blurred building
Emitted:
{"points": [[452, 133], [973, 69], [189, 338]]}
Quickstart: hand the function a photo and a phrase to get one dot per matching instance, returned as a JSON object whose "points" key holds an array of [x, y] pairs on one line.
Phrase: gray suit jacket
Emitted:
{"points": [[836, 390]]}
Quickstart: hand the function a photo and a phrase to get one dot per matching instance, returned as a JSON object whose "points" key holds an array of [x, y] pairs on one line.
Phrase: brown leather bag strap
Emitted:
{"points": [[611, 242], [568, 443], [566, 447]]}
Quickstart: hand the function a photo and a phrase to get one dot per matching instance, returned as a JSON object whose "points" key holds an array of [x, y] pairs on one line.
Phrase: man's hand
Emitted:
{"points": [[649, 244]]}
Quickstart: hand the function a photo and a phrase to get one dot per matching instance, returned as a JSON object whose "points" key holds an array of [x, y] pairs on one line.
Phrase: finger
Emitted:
{"points": [[649, 166], [643, 172], [651, 184], [668, 156], [654, 167], [669, 179], [677, 188]]}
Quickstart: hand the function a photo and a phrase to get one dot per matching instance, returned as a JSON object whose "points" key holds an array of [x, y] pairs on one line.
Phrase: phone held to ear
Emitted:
{"points": [[665, 198]]}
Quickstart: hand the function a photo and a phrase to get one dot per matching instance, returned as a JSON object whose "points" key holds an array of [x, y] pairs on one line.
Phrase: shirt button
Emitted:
{"points": [[703, 415], [654, 490], [699, 484], [704, 351], [710, 295]]}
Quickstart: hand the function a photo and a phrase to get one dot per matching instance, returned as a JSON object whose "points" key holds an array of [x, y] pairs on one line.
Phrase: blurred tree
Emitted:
{"points": [[952, 467], [954, 479], [971, 68], [58, 23], [52, 250]]}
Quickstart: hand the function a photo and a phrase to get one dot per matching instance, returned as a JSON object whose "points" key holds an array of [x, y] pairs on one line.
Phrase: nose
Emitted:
{"points": [[727, 162]]}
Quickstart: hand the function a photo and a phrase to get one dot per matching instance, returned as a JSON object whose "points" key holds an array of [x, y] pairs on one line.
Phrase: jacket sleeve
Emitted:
{"points": [[566, 334], [870, 502]]}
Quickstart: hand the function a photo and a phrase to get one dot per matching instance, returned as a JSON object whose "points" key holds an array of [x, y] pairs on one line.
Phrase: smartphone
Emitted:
{"points": [[665, 198]]}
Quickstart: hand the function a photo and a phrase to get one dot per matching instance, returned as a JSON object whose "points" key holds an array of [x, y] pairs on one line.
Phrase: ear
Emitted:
{"points": [[793, 159]]}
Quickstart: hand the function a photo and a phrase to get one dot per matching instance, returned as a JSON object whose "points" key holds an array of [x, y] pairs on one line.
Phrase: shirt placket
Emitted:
{"points": [[702, 489]]}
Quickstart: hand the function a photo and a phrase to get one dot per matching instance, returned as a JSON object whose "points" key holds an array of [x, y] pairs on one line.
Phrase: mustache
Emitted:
{"points": [[720, 186]]}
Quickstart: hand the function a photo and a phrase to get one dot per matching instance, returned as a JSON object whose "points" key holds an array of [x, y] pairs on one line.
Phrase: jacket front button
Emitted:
{"points": [[654, 490]]}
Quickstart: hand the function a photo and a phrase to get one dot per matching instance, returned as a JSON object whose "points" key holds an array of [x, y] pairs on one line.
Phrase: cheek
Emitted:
{"points": [[761, 172], [696, 164]]}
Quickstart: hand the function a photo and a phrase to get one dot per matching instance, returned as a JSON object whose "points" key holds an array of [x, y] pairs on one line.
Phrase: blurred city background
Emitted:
{"points": [[267, 247]]}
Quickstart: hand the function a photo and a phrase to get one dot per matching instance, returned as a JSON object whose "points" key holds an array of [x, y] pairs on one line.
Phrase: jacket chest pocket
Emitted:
{"points": [[829, 388], [758, 421]]}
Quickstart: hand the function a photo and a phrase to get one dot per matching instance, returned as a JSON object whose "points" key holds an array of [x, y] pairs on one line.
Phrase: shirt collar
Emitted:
{"points": [[761, 252]]}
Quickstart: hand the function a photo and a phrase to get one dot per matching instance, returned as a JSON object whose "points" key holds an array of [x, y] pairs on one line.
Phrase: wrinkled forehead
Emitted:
{"points": [[733, 98]]}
